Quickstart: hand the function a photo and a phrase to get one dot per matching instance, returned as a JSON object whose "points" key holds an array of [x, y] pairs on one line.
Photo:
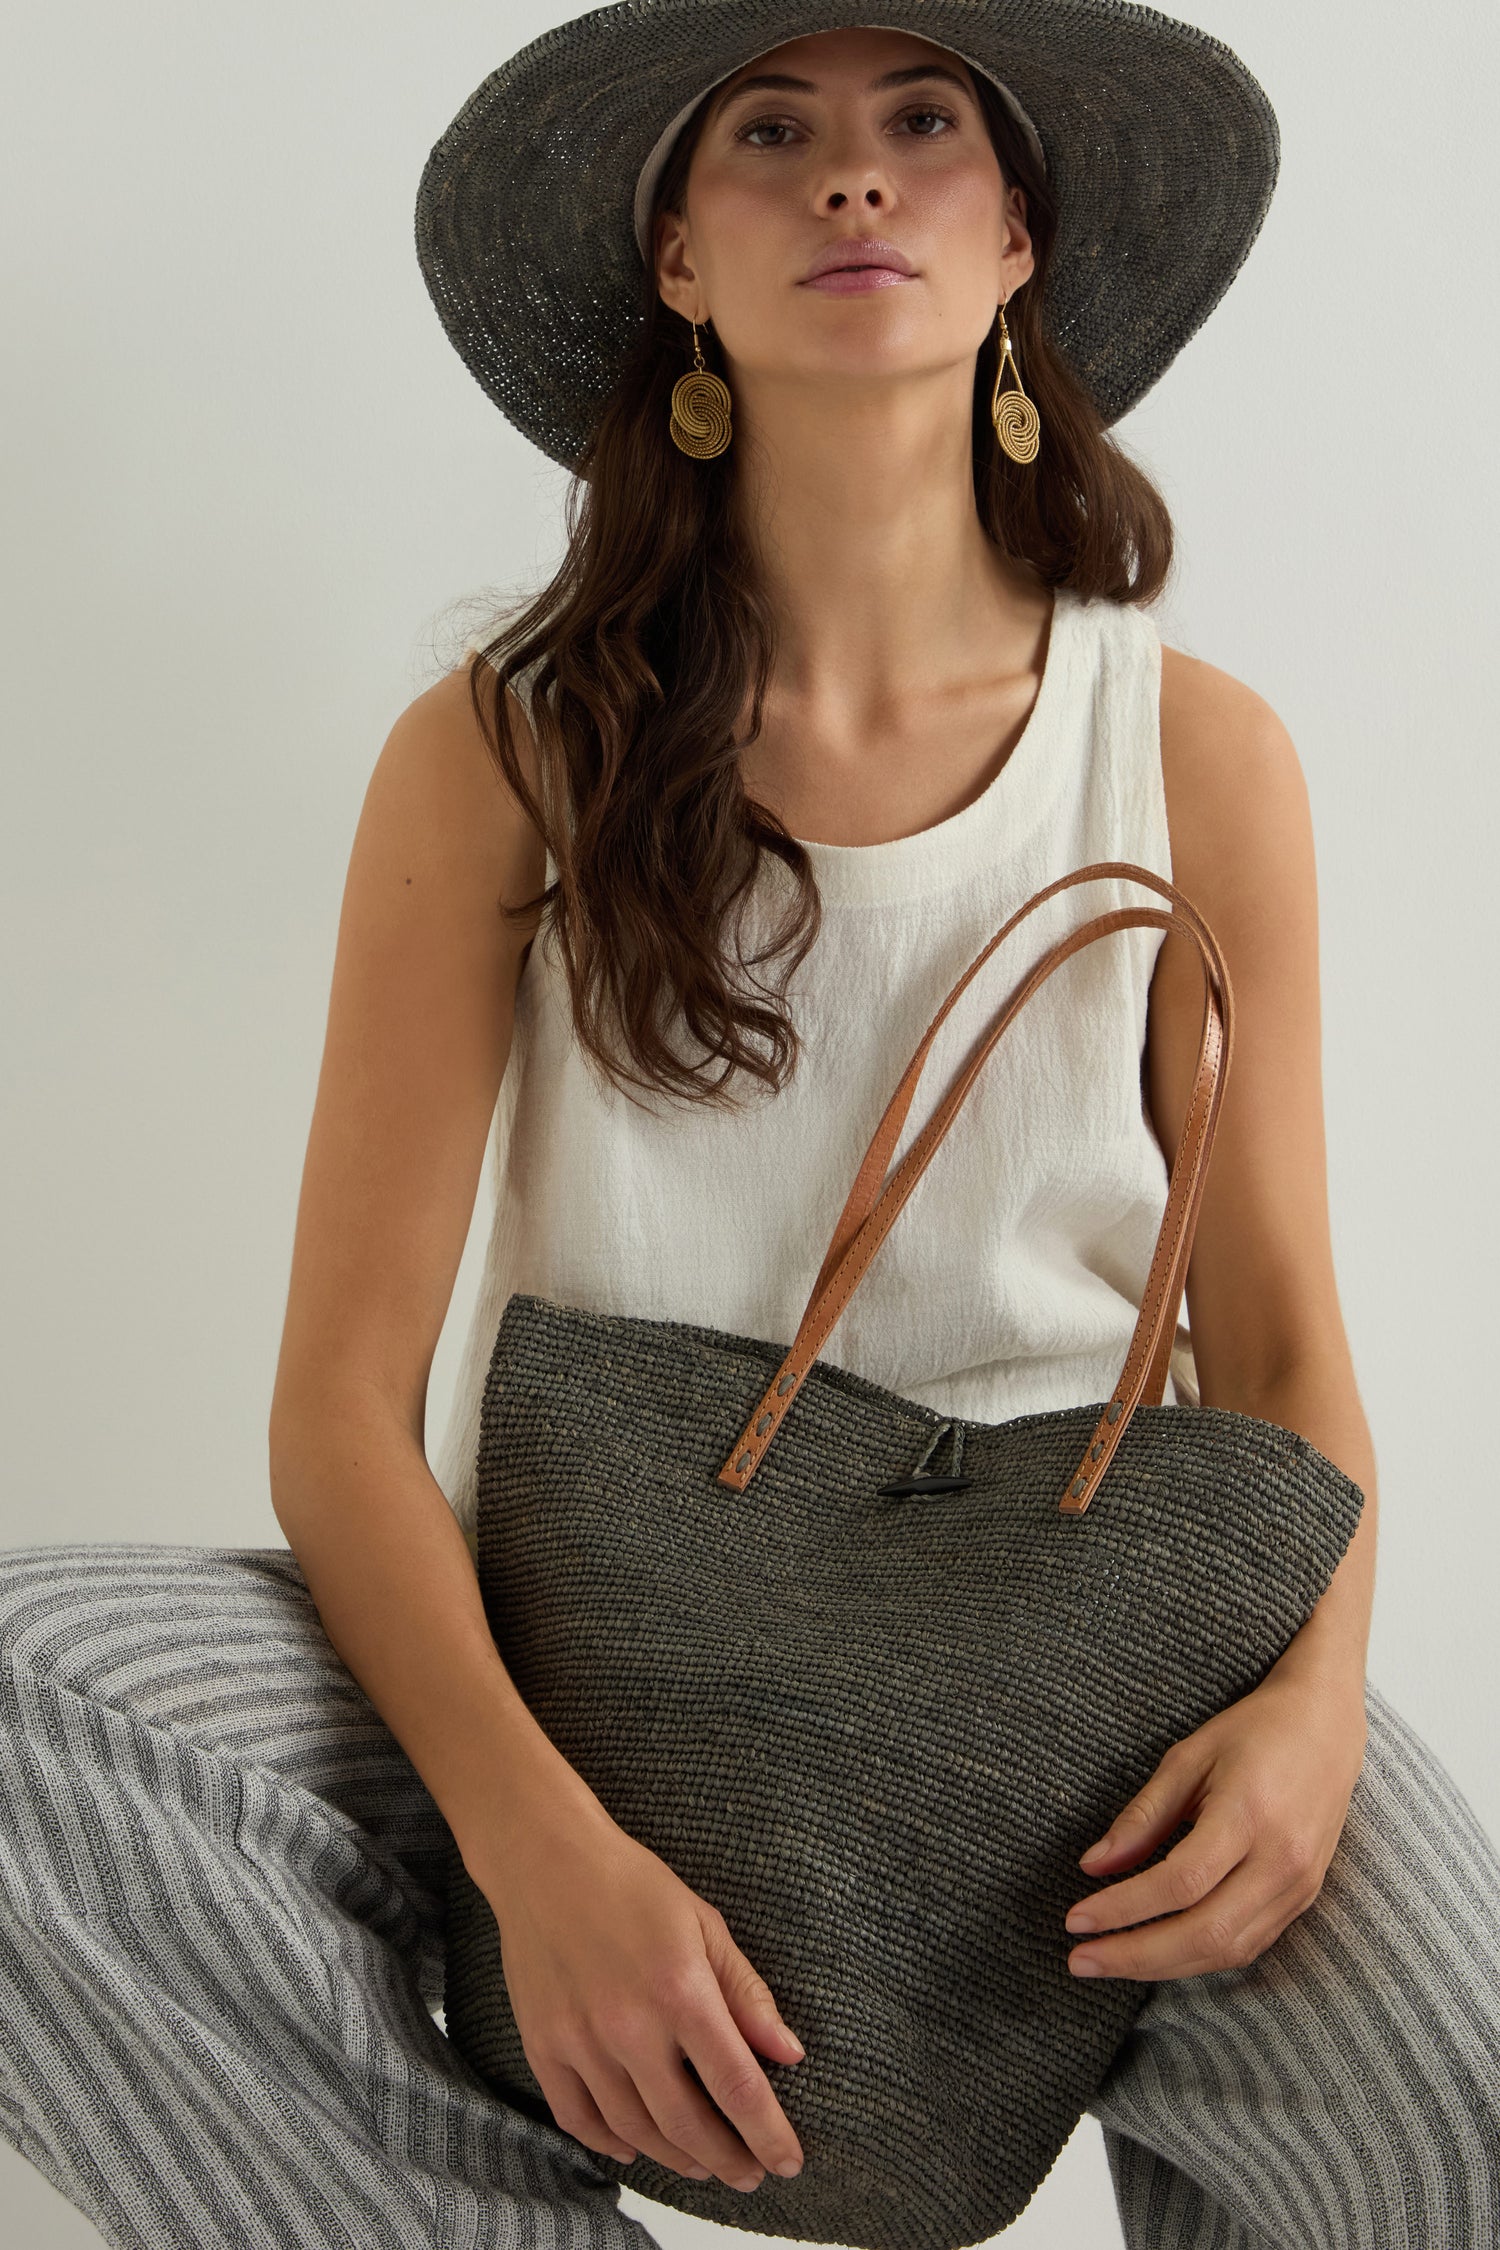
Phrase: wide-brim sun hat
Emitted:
{"points": [[1160, 146]]}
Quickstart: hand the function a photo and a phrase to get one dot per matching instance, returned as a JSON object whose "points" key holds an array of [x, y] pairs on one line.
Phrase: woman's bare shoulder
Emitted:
{"points": [[1231, 772], [443, 721]]}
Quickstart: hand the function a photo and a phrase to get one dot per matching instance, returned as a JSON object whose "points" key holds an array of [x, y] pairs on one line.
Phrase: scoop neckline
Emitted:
{"points": [[936, 858]]}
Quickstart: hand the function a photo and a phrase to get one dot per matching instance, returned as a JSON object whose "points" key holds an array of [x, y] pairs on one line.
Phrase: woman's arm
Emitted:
{"points": [[1262, 1299], [418, 1034], [1264, 1786], [617, 1970]]}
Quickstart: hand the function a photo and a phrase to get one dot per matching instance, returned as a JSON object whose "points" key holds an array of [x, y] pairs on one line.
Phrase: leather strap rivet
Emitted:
{"points": [[785, 1384], [1116, 1409], [1097, 1449], [743, 1462], [1078, 1485], [764, 1424]]}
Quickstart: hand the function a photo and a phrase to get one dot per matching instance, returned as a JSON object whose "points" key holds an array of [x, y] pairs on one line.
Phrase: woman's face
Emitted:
{"points": [[779, 173]]}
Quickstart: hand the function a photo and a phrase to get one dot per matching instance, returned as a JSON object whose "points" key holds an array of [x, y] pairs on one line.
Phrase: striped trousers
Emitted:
{"points": [[221, 1949]]}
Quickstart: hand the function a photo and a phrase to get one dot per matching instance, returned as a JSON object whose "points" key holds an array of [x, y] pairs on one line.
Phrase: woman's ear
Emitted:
{"points": [[1017, 261], [676, 282]]}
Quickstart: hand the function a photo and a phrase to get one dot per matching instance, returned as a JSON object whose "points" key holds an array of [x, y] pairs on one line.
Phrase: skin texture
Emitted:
{"points": [[910, 653]]}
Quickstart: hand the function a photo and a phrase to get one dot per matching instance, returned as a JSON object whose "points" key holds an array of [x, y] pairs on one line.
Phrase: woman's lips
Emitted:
{"points": [[846, 281]]}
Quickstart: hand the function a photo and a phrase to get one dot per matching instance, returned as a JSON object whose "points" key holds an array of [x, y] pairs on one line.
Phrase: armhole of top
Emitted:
{"points": [[1154, 663], [521, 683], [1182, 1367]]}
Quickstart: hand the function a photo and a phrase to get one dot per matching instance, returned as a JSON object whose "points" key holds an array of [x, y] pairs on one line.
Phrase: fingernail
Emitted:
{"points": [[1095, 1851], [795, 2041], [1086, 1967], [792, 2166]]}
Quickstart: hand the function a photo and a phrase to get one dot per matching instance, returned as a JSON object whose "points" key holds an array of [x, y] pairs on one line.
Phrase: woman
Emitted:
{"points": [[865, 659]]}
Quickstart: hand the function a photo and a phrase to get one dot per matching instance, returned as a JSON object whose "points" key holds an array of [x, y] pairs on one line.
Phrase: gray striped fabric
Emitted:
{"points": [[221, 1936], [221, 1942]]}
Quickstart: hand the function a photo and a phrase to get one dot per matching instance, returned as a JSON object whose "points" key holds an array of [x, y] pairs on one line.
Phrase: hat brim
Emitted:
{"points": [[1161, 147]]}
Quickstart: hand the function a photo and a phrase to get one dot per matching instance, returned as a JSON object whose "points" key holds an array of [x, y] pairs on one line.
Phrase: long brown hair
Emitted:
{"points": [[654, 628]]}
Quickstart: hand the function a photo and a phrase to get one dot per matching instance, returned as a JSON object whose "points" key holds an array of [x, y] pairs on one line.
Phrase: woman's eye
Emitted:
{"points": [[942, 113], [760, 125], [782, 125]]}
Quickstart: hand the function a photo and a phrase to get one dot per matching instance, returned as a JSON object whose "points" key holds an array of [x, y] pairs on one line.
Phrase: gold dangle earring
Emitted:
{"points": [[1018, 426], [700, 409]]}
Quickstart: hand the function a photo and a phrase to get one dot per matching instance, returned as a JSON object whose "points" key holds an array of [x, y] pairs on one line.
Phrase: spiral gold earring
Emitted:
{"points": [[1018, 426], [700, 409]]}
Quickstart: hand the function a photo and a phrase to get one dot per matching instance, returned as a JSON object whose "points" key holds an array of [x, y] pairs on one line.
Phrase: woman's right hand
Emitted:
{"points": [[617, 1970]]}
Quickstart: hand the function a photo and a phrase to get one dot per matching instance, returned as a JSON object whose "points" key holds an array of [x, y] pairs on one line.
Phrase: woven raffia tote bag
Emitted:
{"points": [[870, 1679]]}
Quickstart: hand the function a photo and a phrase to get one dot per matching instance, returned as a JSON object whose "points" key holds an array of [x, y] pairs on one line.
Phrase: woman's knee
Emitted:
{"points": [[114, 1619], [43, 1589]]}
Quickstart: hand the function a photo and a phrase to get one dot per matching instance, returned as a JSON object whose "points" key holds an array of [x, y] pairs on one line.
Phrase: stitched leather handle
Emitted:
{"points": [[870, 1210]]}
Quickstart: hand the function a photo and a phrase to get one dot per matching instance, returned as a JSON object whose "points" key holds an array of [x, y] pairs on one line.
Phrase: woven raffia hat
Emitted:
{"points": [[1161, 149]]}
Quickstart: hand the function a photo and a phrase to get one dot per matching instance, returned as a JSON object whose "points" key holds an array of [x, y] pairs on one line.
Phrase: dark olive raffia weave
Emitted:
{"points": [[876, 1731]]}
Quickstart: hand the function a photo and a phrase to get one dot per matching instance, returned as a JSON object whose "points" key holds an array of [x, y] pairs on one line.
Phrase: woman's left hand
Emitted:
{"points": [[1266, 1784]]}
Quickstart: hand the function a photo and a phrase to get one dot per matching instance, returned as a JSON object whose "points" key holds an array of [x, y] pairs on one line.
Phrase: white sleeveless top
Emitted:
{"points": [[1011, 1279]]}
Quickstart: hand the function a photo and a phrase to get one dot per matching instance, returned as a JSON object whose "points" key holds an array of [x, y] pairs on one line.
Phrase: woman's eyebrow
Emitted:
{"points": [[780, 82]]}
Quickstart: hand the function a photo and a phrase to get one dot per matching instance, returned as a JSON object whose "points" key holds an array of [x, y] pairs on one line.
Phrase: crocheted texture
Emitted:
{"points": [[875, 1732], [1161, 146]]}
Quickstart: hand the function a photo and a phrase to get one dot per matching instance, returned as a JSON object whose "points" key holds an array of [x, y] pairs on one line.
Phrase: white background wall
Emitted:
{"points": [[248, 489]]}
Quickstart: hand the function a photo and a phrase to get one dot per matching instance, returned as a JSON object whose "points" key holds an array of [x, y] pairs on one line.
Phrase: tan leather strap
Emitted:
{"points": [[862, 1195], [870, 1210]]}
